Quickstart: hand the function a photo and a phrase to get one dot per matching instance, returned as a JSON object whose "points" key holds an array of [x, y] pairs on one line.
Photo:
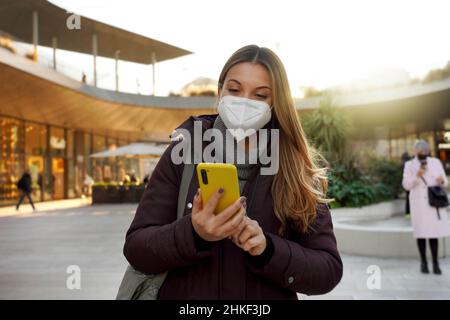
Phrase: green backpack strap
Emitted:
{"points": [[136, 285], [188, 171]]}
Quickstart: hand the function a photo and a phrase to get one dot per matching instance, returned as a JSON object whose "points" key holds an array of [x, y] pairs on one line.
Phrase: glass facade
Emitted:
{"points": [[110, 167], [402, 139], [12, 161], [58, 162], [442, 136], [70, 167], [35, 153], [58, 159], [393, 142], [98, 144]]}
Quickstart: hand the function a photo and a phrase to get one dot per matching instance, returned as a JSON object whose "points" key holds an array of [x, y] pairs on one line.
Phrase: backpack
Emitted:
{"points": [[21, 183], [136, 285]]}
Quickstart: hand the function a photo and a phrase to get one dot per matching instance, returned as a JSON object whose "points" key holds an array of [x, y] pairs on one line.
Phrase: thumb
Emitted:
{"points": [[197, 204]]}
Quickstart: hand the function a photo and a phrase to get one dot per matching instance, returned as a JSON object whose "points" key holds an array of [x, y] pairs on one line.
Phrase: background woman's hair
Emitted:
{"points": [[300, 183], [422, 145]]}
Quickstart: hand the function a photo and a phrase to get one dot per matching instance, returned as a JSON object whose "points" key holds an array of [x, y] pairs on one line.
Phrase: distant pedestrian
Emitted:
{"points": [[126, 179], [88, 183], [24, 185], [406, 157], [428, 222], [133, 178], [146, 179]]}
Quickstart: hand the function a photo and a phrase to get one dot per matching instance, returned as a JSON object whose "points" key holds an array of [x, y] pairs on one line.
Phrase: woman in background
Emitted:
{"points": [[428, 222]]}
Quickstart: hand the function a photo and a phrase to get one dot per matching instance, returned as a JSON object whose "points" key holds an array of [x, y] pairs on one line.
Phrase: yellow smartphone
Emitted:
{"points": [[212, 176]]}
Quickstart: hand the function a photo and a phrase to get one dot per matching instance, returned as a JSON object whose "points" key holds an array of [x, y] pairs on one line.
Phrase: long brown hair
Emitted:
{"points": [[300, 183]]}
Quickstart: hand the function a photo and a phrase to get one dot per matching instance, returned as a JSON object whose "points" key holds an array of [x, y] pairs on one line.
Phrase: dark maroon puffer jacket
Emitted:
{"points": [[156, 242]]}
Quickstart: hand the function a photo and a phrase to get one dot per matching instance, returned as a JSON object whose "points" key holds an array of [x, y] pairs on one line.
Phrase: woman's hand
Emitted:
{"points": [[251, 238], [212, 227], [440, 180], [421, 171]]}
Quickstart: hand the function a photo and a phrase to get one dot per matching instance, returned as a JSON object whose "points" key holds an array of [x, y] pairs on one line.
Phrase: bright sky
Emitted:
{"points": [[322, 43]]}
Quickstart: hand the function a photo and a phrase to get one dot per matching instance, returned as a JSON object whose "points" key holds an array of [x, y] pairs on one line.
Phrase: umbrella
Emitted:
{"points": [[134, 150]]}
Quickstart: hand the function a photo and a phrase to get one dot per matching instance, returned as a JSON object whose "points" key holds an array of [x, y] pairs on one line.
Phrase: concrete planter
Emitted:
{"points": [[382, 210], [117, 194], [106, 194], [378, 230], [133, 194]]}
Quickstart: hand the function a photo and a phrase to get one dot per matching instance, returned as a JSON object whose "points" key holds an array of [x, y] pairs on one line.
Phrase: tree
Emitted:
{"points": [[328, 128]]}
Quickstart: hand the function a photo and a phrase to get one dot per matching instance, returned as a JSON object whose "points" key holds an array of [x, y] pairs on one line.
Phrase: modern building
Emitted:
{"points": [[51, 123], [389, 121]]}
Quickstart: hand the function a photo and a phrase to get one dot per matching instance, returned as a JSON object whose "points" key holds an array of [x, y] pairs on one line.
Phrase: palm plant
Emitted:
{"points": [[328, 128]]}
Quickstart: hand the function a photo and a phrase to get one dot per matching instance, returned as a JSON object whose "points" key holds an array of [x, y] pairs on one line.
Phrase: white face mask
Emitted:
{"points": [[243, 113]]}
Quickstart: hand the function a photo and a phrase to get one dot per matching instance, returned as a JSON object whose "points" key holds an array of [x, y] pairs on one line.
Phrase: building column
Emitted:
{"points": [[153, 73], [91, 160], [94, 54], [35, 26], [48, 181], [117, 69], [54, 45], [66, 165]]}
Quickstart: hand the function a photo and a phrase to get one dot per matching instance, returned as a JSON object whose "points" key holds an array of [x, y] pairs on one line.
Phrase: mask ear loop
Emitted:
{"points": [[219, 100]]}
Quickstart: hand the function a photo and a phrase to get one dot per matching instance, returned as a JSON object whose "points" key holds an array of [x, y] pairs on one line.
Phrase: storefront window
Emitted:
{"points": [[410, 138], [443, 142], [71, 190], [57, 142], [381, 135], [81, 160], [35, 139], [87, 153], [121, 170], [12, 136], [110, 167], [398, 143], [36, 148], [99, 144], [58, 145]]}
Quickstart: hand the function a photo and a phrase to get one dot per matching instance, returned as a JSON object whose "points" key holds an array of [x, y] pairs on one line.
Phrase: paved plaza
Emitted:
{"points": [[36, 250]]}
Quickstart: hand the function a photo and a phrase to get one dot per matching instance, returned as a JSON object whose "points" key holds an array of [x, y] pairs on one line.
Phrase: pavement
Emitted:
{"points": [[41, 253], [46, 206]]}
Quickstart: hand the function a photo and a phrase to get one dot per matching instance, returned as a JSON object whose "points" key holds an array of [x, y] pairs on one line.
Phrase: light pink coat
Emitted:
{"points": [[424, 218]]}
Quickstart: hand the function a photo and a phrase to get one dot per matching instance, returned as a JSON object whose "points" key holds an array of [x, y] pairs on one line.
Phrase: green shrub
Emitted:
{"points": [[106, 184], [328, 129], [355, 178], [389, 174], [356, 186]]}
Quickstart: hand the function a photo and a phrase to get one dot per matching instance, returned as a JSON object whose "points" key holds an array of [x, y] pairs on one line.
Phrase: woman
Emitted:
{"points": [[428, 222], [273, 242]]}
